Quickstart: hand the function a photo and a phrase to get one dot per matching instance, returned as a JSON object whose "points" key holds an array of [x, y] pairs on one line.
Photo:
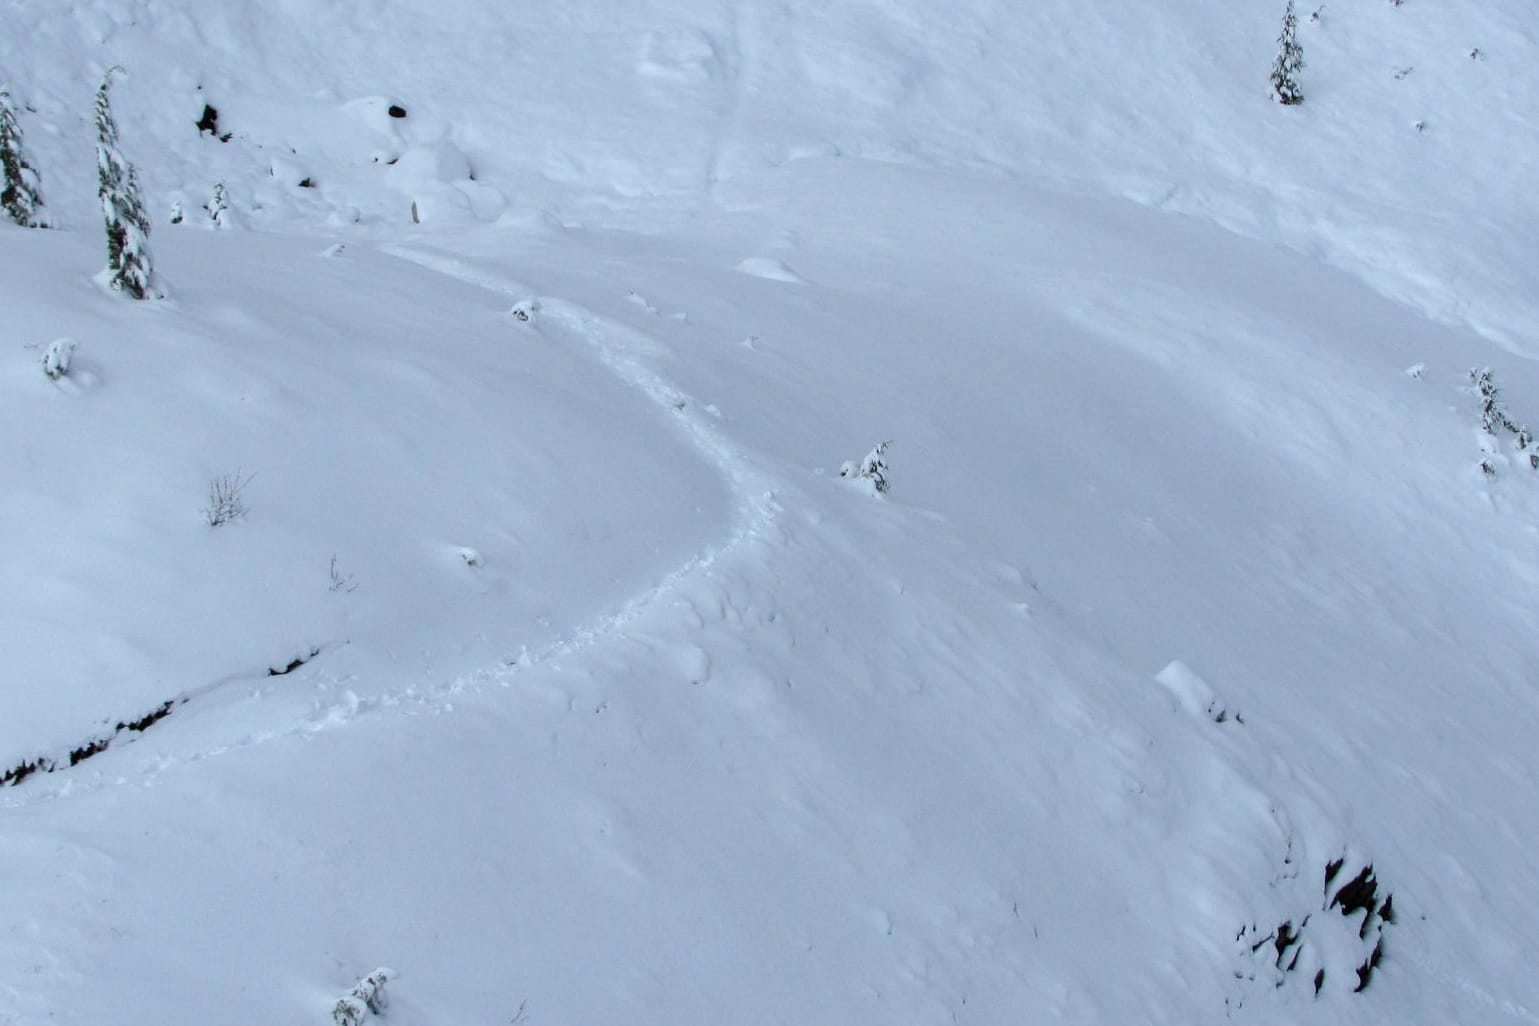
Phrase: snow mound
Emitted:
{"points": [[770, 269], [1191, 693]]}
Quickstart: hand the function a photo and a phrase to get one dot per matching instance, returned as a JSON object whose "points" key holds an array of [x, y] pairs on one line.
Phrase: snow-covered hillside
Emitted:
{"points": [[607, 111], [1183, 674]]}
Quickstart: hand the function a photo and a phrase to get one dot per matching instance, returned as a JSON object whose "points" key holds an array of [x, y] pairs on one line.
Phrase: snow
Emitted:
{"points": [[769, 269], [551, 663]]}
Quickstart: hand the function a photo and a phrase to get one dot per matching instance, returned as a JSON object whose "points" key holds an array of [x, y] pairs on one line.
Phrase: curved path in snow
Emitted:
{"points": [[617, 348]]}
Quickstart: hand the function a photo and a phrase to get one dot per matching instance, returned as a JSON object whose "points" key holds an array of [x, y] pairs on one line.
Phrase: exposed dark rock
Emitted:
{"points": [[85, 751], [149, 719], [1301, 945], [22, 770], [1365, 971], [293, 665], [1285, 938], [1331, 869], [1362, 892], [209, 122]]}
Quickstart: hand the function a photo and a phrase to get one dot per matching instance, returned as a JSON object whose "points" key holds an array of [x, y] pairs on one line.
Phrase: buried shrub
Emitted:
{"points": [[226, 501], [872, 469], [366, 998], [1496, 421], [218, 206], [57, 358]]}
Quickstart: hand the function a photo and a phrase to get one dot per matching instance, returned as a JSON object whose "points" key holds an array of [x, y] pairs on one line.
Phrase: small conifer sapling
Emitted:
{"points": [[872, 469], [1290, 61], [128, 227], [20, 189], [1494, 418], [218, 207], [57, 358]]}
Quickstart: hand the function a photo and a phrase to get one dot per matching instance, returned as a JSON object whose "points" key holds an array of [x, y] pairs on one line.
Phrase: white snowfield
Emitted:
{"points": [[1185, 673]]}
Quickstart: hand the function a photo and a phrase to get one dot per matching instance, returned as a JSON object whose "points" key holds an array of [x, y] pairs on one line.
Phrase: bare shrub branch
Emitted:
{"points": [[225, 501]]}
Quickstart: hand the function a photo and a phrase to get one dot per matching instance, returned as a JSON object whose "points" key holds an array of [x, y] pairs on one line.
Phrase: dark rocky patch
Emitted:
{"points": [[1287, 937], [209, 122], [88, 748], [1360, 893], [96, 745], [1332, 868], [1289, 949], [293, 665], [85, 751], [24, 769], [1365, 971], [149, 719]]}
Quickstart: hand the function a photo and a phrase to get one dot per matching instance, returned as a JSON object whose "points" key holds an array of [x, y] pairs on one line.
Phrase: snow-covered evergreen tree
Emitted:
{"points": [[872, 469], [218, 207], [20, 191], [57, 358], [1290, 61], [1494, 418], [128, 227], [367, 998]]}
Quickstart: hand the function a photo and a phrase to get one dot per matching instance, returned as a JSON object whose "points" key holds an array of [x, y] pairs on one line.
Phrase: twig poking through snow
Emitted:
{"points": [[340, 582], [225, 502]]}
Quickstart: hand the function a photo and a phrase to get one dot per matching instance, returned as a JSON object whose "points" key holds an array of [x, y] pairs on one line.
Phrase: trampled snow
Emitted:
{"points": [[1183, 674]]}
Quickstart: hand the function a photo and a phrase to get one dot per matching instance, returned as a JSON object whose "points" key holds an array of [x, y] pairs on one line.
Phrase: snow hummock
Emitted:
{"points": [[769, 268]]}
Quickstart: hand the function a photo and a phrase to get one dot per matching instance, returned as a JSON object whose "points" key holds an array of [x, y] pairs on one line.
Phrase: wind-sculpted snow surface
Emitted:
{"points": [[1066, 721], [1180, 673], [463, 110], [382, 427]]}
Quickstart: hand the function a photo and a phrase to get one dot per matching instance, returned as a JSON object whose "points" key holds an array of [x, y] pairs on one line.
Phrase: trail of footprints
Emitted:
{"points": [[609, 339]]}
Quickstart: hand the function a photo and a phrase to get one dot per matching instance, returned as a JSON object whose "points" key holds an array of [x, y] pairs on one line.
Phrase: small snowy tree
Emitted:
{"points": [[872, 469], [348, 1011], [367, 998], [20, 190], [128, 227], [1495, 418], [1290, 61], [57, 357], [218, 207]]}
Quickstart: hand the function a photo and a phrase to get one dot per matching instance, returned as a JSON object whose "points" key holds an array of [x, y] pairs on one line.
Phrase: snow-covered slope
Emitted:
{"points": [[596, 111], [614, 702]]}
